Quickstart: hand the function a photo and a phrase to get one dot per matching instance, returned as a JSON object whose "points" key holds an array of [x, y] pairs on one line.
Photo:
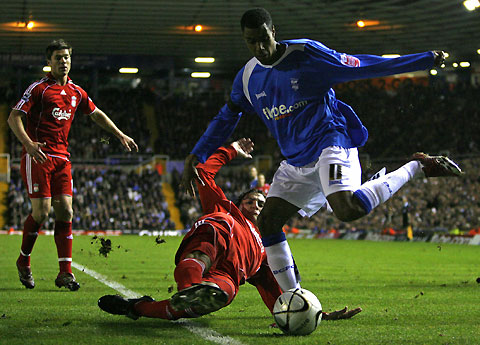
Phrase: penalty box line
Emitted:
{"points": [[206, 333]]}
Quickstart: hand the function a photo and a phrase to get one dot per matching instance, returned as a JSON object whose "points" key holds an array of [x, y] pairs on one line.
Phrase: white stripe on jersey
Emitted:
{"points": [[28, 172], [28, 93], [247, 72]]}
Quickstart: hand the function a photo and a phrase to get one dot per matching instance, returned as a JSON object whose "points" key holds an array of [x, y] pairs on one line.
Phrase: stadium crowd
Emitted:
{"points": [[402, 117]]}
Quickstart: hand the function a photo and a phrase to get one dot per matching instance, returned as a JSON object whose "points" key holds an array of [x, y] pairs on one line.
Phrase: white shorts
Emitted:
{"points": [[337, 169]]}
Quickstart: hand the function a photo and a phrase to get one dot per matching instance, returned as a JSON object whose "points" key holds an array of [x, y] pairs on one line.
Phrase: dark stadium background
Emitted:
{"points": [[165, 110]]}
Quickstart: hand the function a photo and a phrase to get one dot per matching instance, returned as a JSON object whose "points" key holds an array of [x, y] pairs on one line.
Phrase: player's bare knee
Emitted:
{"points": [[40, 216], [64, 214]]}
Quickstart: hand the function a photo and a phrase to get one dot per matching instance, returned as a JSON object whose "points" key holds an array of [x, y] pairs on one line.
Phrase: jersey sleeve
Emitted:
{"points": [[224, 123], [340, 67], [86, 104], [30, 98], [210, 193], [266, 285], [219, 130]]}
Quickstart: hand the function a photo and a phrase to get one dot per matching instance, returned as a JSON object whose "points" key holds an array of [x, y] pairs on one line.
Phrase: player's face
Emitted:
{"points": [[60, 62], [261, 43], [251, 206]]}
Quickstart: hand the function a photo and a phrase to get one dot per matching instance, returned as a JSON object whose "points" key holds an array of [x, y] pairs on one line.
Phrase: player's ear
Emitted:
{"points": [[273, 31]]}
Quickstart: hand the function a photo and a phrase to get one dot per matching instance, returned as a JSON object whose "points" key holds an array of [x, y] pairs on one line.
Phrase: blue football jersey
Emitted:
{"points": [[295, 99]]}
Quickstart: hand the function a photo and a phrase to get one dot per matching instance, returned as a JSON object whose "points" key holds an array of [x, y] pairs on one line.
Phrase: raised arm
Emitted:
{"points": [[217, 132], [210, 193], [101, 119]]}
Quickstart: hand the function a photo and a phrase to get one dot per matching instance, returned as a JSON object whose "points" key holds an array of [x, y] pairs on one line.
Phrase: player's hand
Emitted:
{"points": [[128, 143], [341, 314], [190, 173], [438, 58], [35, 151], [243, 147]]}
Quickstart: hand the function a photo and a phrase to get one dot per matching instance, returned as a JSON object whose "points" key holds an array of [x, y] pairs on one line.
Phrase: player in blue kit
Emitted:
{"points": [[288, 85]]}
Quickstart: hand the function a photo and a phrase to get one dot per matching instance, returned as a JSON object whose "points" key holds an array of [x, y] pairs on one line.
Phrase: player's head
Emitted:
{"points": [[58, 54], [251, 203], [259, 34]]}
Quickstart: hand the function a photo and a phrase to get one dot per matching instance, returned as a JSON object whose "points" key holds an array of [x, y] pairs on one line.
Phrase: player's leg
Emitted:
{"points": [[36, 179], [350, 202], [271, 220], [293, 190], [62, 205]]}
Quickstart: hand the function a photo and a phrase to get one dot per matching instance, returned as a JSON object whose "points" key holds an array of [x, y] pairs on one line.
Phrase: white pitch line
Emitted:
{"points": [[206, 333]]}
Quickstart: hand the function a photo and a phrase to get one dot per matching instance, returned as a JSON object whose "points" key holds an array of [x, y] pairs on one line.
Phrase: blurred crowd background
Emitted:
{"points": [[403, 116]]}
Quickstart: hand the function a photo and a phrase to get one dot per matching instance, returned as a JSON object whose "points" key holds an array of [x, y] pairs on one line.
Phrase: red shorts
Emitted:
{"points": [[52, 178]]}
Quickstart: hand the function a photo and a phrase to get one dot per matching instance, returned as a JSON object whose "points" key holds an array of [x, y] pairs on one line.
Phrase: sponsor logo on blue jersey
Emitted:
{"points": [[282, 111]]}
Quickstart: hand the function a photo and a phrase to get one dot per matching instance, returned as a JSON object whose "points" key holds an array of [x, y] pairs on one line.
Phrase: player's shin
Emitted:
{"points": [[64, 241], [375, 192], [30, 234], [280, 260]]}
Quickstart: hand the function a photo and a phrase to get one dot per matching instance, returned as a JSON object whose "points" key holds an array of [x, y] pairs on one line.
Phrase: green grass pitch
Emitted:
{"points": [[411, 293]]}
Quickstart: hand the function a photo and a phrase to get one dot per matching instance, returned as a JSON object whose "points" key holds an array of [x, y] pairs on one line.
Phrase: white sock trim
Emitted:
{"points": [[64, 259], [23, 254], [201, 263]]}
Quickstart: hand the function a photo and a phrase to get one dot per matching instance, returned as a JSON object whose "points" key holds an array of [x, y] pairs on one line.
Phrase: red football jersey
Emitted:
{"points": [[50, 109], [247, 252]]}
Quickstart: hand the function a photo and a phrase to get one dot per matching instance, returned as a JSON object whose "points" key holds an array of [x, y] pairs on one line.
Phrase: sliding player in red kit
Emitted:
{"points": [[49, 106], [220, 252]]}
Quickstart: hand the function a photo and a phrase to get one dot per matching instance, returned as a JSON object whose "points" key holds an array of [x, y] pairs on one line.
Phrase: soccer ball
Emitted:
{"points": [[297, 312]]}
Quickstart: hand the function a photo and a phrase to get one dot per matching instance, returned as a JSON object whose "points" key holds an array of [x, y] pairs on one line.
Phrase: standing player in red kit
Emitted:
{"points": [[50, 105], [221, 251]]}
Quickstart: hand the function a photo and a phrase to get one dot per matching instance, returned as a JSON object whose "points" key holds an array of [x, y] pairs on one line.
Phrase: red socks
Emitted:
{"points": [[188, 271], [161, 310], [63, 240], [30, 234]]}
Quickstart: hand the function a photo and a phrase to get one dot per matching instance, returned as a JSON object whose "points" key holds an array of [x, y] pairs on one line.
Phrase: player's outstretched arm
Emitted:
{"points": [[341, 314], [101, 119]]}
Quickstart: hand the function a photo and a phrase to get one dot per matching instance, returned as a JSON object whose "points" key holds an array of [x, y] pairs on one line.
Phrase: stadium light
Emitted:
{"points": [[455, 65], [198, 28], [478, 51], [200, 75], [130, 70], [471, 5], [433, 72], [47, 69], [391, 56], [446, 55], [30, 25], [360, 23], [464, 64], [204, 59]]}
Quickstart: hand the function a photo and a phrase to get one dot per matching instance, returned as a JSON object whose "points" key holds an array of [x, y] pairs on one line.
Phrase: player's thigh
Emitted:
{"points": [[36, 177], [339, 170], [274, 215], [61, 179], [298, 187]]}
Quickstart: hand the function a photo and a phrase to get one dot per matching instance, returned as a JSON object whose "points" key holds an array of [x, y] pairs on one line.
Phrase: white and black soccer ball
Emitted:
{"points": [[297, 312]]}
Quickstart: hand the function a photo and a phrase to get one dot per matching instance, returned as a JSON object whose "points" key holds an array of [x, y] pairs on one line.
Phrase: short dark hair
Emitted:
{"points": [[245, 194], [57, 45], [255, 17]]}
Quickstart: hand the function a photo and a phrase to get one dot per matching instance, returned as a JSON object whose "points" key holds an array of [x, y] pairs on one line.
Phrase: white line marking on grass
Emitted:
{"points": [[205, 333]]}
